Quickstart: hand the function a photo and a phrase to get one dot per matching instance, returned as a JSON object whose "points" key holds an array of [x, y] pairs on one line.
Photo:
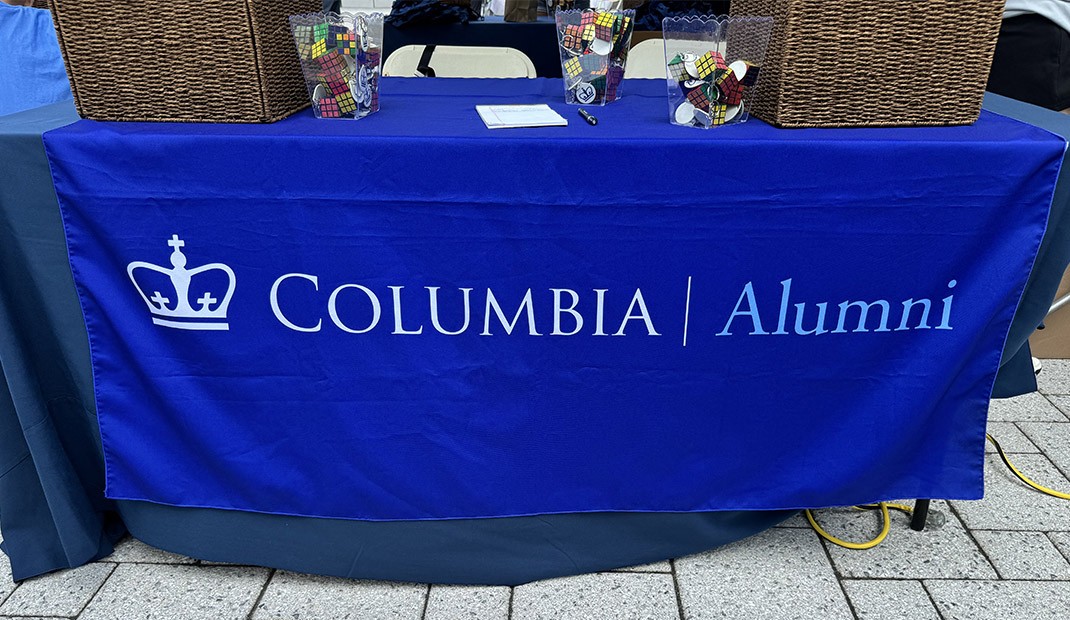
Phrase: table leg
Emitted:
{"points": [[920, 514]]}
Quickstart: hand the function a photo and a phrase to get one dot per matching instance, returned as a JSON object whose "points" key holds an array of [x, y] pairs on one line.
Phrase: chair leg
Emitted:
{"points": [[920, 514]]}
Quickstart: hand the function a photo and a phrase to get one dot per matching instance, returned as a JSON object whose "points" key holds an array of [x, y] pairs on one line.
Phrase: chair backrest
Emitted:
{"points": [[457, 61], [646, 60]]}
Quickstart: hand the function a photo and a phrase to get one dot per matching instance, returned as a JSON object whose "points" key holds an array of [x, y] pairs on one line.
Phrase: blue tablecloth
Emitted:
{"points": [[328, 546]]}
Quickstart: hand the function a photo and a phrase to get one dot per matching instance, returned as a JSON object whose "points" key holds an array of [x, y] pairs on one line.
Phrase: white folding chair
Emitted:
{"points": [[461, 61], [646, 60]]}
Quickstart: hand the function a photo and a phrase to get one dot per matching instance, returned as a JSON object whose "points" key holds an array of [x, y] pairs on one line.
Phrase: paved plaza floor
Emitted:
{"points": [[1002, 558]]}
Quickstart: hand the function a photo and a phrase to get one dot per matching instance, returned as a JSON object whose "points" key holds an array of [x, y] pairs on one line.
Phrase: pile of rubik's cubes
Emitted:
{"points": [[341, 69], [594, 46], [711, 90]]}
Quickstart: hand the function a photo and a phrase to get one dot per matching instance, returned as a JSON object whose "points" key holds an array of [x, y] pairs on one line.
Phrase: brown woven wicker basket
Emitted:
{"points": [[212, 61], [852, 63]]}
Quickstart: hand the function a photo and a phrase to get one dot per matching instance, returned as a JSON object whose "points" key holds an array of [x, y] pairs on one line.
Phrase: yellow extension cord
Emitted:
{"points": [[1021, 476], [886, 521]]}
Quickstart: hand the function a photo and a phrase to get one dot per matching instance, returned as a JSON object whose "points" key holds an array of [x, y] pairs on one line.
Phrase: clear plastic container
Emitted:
{"points": [[594, 48], [711, 67], [340, 55]]}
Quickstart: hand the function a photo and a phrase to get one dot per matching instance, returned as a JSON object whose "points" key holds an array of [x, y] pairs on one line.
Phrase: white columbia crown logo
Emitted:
{"points": [[177, 312]]}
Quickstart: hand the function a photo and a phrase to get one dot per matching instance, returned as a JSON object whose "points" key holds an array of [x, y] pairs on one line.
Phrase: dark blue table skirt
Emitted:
{"points": [[53, 513]]}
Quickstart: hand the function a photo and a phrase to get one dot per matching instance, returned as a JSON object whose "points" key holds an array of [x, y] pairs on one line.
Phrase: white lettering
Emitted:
{"points": [[558, 311], [332, 309], [278, 311], [525, 306]]}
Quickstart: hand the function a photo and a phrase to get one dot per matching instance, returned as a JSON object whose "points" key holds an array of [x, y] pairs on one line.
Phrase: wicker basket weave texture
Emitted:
{"points": [[873, 62], [217, 61]]}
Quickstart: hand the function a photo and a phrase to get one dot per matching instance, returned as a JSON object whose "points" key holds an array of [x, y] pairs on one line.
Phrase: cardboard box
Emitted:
{"points": [[1053, 342]]}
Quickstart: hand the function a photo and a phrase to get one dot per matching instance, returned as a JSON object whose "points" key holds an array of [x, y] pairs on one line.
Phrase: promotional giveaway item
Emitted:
{"points": [[340, 57], [711, 66], [594, 47]]}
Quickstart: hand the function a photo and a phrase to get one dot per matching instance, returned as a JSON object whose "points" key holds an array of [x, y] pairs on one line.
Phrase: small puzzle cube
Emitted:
{"points": [[751, 76], [345, 42], [572, 38], [677, 69], [333, 64], [573, 67], [718, 112], [346, 103], [605, 33], [731, 89], [594, 64], [588, 33], [332, 34], [708, 62], [328, 108], [334, 85], [587, 18], [613, 79], [698, 98], [369, 58], [319, 48], [319, 31]]}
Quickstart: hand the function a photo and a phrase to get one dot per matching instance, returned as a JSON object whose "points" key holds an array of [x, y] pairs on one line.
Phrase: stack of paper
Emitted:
{"points": [[504, 116]]}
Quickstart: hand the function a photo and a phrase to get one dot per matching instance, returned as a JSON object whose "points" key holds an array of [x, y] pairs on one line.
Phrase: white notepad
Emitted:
{"points": [[505, 116]]}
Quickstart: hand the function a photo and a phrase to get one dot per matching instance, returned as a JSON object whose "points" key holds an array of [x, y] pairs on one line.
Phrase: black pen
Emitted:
{"points": [[587, 117]]}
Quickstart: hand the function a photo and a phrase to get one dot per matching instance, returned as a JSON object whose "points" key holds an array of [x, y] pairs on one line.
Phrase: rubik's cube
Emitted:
{"points": [[588, 33], [319, 31], [334, 84], [709, 61], [599, 84], [372, 57], [573, 67], [677, 69], [303, 41], [698, 98], [622, 37], [572, 38], [751, 76], [613, 80], [346, 103], [604, 25], [333, 64], [718, 113], [332, 34], [594, 64], [319, 48], [731, 89], [328, 108], [587, 18], [345, 42]]}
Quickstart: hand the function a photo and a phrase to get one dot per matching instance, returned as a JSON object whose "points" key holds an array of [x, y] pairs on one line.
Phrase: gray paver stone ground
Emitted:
{"points": [[947, 552], [1000, 600], [632, 596], [63, 593], [311, 597], [1061, 540], [1010, 437], [133, 550], [886, 599], [1055, 377], [779, 574], [1011, 505], [654, 567], [1023, 555], [467, 603], [1062, 403], [7, 586], [1054, 440], [1027, 408], [176, 592]]}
